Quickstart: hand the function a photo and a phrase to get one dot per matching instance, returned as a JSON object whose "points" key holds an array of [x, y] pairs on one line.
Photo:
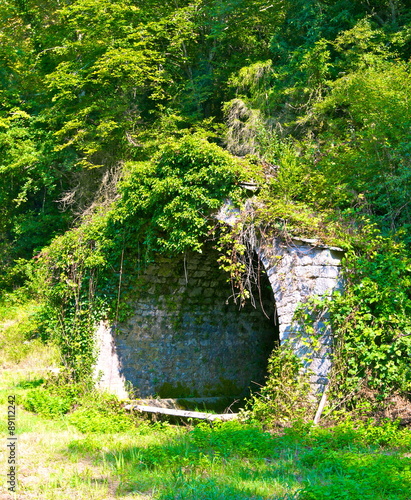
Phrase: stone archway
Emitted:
{"points": [[186, 338]]}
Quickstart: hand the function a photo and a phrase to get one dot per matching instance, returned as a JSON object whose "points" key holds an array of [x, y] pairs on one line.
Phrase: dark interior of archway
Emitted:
{"points": [[264, 303], [187, 338], [261, 304]]}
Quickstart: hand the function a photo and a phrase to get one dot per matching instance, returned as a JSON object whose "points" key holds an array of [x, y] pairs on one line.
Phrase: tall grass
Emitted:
{"points": [[21, 347]]}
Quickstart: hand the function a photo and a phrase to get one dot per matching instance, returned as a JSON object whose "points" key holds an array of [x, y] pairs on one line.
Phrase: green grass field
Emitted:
{"points": [[80, 454]]}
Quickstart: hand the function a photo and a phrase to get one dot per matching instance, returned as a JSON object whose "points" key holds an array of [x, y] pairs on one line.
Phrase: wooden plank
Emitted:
{"points": [[321, 406], [183, 413]]}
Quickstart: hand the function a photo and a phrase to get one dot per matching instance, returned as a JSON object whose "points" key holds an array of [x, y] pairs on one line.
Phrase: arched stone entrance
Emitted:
{"points": [[187, 338]]}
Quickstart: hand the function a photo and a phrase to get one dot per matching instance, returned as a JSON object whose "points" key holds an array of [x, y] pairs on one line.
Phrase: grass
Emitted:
{"points": [[20, 345], [223, 461]]}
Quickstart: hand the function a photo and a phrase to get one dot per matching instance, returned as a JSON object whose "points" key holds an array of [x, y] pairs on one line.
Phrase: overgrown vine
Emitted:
{"points": [[165, 206]]}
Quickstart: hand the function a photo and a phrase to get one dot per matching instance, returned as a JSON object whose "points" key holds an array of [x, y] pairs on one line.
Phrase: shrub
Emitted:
{"points": [[101, 413], [286, 394], [51, 402]]}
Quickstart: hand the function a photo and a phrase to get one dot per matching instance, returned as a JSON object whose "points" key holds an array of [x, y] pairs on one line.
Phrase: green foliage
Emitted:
{"points": [[337, 85], [165, 206], [51, 401], [343, 94], [350, 470], [90, 412], [351, 434], [66, 280], [95, 91], [222, 460], [20, 333], [236, 461], [371, 321], [106, 74], [286, 394], [364, 150], [28, 213], [101, 414], [170, 200]]}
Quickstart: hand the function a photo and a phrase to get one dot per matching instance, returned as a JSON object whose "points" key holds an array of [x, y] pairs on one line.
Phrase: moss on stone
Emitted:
{"points": [[167, 390]]}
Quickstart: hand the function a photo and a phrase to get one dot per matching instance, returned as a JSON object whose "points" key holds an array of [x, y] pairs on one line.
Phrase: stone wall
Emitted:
{"points": [[297, 270], [186, 336]]}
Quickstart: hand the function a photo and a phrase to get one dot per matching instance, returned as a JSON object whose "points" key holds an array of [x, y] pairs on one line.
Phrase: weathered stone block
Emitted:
{"points": [[304, 260], [324, 286], [286, 309], [285, 319], [327, 258], [330, 271], [320, 366]]}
